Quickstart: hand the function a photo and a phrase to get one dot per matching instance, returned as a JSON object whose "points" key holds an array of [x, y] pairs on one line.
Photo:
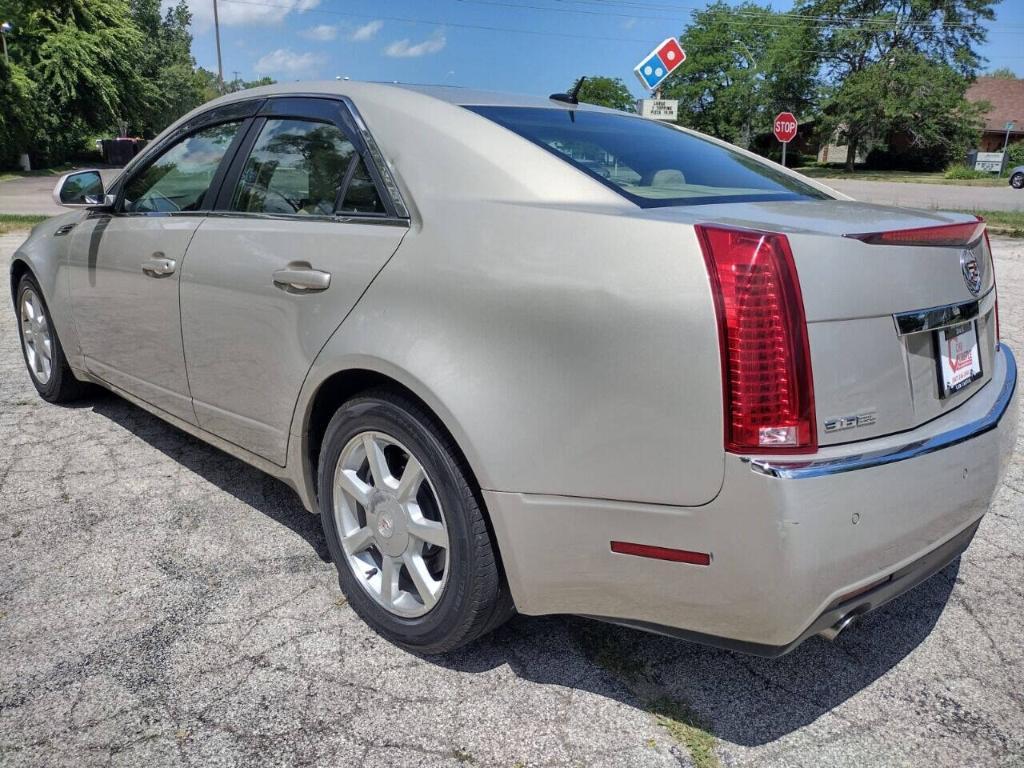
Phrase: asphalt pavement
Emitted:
{"points": [[931, 196], [34, 194], [163, 604]]}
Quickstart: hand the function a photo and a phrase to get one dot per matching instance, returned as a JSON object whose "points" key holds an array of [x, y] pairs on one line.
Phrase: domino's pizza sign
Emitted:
{"points": [[661, 63]]}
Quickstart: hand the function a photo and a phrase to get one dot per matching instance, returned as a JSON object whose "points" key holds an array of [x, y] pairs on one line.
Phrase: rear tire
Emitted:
{"points": [[1017, 180], [44, 356], [431, 594]]}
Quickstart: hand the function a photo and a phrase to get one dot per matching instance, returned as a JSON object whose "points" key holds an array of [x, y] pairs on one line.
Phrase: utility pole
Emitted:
{"points": [[220, 66]]}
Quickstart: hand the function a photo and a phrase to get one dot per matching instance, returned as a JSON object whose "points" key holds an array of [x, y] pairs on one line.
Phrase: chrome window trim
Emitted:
{"points": [[802, 470], [379, 162], [347, 218], [933, 318]]}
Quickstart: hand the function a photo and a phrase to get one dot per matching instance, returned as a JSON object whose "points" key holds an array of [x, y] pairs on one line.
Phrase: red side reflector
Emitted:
{"points": [[948, 235], [661, 553], [768, 391]]}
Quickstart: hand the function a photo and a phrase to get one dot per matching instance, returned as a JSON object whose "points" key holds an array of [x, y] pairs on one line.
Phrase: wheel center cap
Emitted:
{"points": [[387, 520]]}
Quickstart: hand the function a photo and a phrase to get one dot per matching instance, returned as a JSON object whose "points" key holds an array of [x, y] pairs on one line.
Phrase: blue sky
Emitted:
{"points": [[530, 46]]}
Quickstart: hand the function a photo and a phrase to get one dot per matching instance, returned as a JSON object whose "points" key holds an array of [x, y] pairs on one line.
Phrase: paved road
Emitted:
{"points": [[162, 604], [34, 194], [931, 195]]}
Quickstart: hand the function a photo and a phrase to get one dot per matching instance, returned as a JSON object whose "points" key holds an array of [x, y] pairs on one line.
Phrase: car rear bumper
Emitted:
{"points": [[795, 546]]}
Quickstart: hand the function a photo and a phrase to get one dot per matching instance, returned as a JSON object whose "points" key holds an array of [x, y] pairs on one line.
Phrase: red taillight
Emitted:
{"points": [[943, 235], [766, 361]]}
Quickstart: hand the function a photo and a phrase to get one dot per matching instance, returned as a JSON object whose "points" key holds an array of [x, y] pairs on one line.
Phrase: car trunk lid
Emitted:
{"points": [[878, 309]]}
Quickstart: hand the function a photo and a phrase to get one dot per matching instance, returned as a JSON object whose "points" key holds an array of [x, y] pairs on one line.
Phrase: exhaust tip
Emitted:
{"points": [[831, 633]]}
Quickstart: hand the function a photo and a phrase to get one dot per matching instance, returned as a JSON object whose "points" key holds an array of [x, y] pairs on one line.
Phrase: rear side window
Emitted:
{"points": [[647, 162], [295, 167]]}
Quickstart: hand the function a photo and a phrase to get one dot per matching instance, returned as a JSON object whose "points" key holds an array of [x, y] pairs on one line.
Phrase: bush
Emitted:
{"points": [[1016, 154], [908, 159], [963, 172]]}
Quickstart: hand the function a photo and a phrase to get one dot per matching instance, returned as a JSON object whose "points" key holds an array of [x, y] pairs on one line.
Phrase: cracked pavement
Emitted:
{"points": [[164, 604]]}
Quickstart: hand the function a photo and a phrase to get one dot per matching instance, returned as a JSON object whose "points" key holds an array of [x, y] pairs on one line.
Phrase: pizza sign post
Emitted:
{"points": [[784, 128], [652, 71]]}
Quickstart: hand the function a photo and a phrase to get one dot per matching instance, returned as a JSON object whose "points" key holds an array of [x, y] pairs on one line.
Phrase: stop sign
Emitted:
{"points": [[785, 127]]}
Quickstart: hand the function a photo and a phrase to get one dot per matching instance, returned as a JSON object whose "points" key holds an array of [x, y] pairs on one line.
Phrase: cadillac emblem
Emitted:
{"points": [[972, 271]]}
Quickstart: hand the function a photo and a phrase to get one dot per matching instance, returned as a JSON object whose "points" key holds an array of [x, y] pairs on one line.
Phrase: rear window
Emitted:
{"points": [[649, 163]]}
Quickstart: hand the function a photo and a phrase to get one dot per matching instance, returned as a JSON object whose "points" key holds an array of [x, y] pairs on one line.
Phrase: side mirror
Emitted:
{"points": [[81, 189]]}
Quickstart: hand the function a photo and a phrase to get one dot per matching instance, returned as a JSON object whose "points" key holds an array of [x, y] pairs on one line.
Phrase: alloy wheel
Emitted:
{"points": [[36, 337], [391, 524]]}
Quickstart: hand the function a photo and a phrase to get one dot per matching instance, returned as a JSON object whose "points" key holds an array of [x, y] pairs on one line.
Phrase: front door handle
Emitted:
{"points": [[302, 280], [158, 266]]}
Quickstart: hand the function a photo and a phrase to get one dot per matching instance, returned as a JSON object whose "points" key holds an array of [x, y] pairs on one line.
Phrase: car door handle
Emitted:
{"points": [[159, 266], [302, 280]]}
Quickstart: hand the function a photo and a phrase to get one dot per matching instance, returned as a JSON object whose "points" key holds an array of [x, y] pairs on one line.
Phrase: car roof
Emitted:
{"points": [[450, 94]]}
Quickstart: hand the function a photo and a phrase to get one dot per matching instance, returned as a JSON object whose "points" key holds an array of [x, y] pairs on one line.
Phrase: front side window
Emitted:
{"points": [[647, 162], [295, 167], [178, 179]]}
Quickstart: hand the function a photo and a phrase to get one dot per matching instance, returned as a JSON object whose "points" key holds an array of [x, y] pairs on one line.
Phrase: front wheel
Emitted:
{"points": [[44, 357], [1017, 180], [405, 528]]}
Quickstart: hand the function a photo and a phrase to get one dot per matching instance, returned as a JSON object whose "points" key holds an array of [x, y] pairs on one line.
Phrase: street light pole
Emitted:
{"points": [[1006, 143], [220, 66], [4, 29]]}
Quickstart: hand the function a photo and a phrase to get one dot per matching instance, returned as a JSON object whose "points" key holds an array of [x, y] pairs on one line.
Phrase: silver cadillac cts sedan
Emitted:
{"points": [[523, 354]]}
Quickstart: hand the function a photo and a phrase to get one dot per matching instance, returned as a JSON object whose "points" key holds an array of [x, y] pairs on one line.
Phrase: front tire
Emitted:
{"points": [[44, 356], [1017, 180], [405, 527]]}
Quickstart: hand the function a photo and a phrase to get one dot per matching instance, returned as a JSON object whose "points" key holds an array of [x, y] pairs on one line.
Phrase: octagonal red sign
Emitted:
{"points": [[785, 127]]}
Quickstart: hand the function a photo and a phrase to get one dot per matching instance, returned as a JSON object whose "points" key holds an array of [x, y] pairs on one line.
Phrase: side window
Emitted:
{"points": [[361, 195], [179, 178], [295, 167]]}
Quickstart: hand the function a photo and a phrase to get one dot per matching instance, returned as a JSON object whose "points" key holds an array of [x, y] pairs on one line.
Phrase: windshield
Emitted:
{"points": [[648, 162]]}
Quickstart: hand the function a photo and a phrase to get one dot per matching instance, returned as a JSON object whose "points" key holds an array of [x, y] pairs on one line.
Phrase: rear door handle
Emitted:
{"points": [[158, 266], [302, 280]]}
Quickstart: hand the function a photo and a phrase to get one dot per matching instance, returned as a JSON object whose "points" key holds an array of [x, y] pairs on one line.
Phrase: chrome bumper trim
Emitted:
{"points": [[800, 470], [921, 320]]}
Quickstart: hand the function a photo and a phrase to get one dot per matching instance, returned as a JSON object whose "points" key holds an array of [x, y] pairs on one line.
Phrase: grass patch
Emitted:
{"points": [[1005, 223], [11, 221], [903, 177], [683, 726]]}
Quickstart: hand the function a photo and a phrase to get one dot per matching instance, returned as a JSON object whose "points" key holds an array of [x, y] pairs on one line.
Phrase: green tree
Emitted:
{"points": [[607, 92], [1004, 73], [865, 42], [169, 86], [80, 57], [744, 64]]}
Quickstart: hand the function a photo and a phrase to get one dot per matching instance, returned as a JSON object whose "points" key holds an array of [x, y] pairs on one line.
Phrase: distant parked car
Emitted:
{"points": [[673, 385], [1017, 177]]}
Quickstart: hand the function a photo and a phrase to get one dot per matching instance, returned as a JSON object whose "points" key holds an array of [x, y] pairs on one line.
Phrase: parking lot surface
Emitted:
{"points": [[163, 604]]}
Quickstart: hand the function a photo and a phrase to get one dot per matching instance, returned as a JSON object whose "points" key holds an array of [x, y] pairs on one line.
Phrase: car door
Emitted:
{"points": [[125, 266], [301, 228]]}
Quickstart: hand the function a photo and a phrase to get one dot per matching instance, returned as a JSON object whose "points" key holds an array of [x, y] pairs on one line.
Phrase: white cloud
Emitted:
{"points": [[241, 12], [321, 32], [288, 63], [366, 32], [629, 23], [403, 49]]}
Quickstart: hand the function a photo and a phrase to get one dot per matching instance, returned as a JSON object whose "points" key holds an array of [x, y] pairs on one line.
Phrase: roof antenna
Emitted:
{"points": [[572, 97]]}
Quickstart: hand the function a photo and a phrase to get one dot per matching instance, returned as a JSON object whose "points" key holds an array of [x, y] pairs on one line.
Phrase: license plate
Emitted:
{"points": [[958, 358]]}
